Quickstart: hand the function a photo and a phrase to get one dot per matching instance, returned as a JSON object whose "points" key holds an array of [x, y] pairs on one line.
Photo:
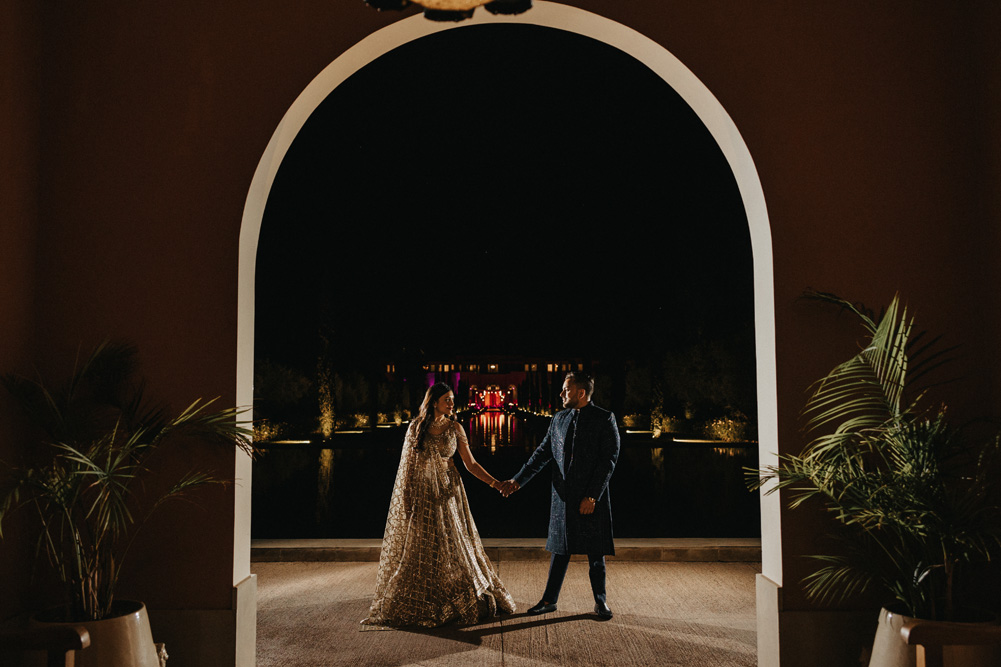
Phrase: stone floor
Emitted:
{"points": [[680, 612]]}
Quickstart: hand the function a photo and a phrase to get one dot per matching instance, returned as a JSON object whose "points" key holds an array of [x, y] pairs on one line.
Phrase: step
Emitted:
{"points": [[688, 549]]}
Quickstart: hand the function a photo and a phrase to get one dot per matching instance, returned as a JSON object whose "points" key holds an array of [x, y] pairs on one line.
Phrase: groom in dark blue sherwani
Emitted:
{"points": [[583, 445]]}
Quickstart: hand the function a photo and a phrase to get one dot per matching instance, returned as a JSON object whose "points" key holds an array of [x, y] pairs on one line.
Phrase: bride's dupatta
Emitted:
{"points": [[432, 569]]}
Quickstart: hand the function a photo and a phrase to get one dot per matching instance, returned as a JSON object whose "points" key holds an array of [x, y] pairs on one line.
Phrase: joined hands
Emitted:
{"points": [[508, 487]]}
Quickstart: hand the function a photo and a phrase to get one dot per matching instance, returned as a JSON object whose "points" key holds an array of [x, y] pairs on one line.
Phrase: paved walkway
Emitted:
{"points": [[683, 613]]}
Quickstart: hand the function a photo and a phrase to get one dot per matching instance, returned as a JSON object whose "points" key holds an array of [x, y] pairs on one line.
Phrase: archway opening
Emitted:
{"points": [[662, 65], [493, 221]]}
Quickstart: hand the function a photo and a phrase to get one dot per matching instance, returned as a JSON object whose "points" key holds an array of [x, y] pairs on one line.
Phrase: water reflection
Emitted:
{"points": [[657, 458], [730, 451], [324, 476], [492, 429], [660, 489]]}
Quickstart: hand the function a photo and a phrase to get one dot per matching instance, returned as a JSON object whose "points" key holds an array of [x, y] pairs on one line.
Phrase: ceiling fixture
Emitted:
{"points": [[454, 10]]}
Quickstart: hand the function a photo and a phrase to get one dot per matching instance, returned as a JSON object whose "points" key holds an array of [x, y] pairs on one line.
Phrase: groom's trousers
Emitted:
{"points": [[558, 570]]}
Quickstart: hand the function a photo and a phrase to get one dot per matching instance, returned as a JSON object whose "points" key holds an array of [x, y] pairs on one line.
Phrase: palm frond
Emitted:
{"points": [[10, 502], [36, 402], [865, 315], [893, 475], [836, 582], [86, 487], [865, 391]]}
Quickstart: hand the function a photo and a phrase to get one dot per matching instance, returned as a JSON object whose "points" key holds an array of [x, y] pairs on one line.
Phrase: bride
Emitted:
{"points": [[433, 569]]}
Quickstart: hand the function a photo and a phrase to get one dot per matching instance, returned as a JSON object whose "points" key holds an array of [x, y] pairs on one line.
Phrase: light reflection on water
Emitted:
{"points": [[323, 479], [729, 451], [657, 458], [493, 429], [660, 488]]}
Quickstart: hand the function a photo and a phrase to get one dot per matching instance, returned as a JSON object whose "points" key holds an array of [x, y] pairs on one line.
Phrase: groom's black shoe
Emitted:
{"points": [[542, 608], [602, 610]]}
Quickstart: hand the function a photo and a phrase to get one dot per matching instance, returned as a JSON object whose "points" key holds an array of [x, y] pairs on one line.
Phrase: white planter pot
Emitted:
{"points": [[124, 640], [889, 649]]}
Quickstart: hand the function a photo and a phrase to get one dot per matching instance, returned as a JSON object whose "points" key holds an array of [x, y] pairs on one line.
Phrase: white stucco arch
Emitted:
{"points": [[675, 74]]}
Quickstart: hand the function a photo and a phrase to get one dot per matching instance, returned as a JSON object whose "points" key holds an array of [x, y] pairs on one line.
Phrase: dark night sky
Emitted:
{"points": [[483, 188]]}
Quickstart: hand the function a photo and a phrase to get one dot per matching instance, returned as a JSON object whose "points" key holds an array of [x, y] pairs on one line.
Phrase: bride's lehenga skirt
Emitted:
{"points": [[433, 569]]}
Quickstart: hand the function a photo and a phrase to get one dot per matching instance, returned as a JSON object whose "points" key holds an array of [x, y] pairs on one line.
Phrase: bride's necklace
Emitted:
{"points": [[439, 424]]}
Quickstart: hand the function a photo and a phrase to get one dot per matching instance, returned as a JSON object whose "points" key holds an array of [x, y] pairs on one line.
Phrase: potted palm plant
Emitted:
{"points": [[95, 442], [910, 493]]}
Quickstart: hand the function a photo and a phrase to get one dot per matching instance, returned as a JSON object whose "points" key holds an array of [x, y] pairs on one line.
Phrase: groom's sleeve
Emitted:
{"points": [[608, 454], [542, 455]]}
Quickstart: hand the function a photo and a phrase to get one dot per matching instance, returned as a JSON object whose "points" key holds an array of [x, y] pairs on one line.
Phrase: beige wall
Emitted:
{"points": [[873, 128]]}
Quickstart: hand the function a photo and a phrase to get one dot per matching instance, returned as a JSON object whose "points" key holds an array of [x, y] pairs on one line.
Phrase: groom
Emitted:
{"points": [[583, 445]]}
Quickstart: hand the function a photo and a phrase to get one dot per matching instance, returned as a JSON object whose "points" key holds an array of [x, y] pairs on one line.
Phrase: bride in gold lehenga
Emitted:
{"points": [[433, 569]]}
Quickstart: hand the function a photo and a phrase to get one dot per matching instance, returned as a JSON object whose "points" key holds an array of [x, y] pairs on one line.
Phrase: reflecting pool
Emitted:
{"points": [[340, 488]]}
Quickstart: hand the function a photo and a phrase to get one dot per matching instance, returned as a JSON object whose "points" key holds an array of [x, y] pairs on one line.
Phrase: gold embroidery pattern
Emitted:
{"points": [[433, 569]]}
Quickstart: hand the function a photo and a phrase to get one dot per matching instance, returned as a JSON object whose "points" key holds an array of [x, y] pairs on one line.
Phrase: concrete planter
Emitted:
{"points": [[124, 640], [889, 649]]}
